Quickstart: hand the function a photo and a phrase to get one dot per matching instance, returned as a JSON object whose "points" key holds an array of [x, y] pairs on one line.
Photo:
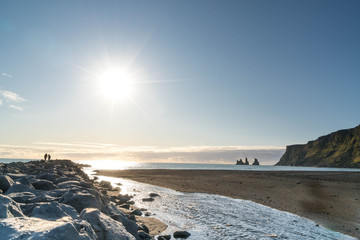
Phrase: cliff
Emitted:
{"points": [[338, 149]]}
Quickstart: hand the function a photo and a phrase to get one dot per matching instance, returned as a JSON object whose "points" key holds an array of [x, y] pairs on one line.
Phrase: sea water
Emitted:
{"points": [[210, 216], [127, 165], [123, 165]]}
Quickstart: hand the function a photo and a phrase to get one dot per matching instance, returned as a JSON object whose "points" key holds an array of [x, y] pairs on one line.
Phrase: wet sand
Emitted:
{"points": [[331, 199]]}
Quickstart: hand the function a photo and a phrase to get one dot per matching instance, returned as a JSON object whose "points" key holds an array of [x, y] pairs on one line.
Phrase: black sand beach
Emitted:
{"points": [[331, 199]]}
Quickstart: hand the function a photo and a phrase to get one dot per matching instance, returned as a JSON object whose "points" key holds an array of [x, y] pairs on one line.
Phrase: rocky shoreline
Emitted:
{"points": [[57, 200]]}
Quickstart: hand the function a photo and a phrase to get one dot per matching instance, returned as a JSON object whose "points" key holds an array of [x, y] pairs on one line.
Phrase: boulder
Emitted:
{"points": [[116, 214], [57, 193], [105, 184], [144, 236], [80, 200], [21, 197], [150, 199], [18, 187], [15, 176], [104, 226], [144, 228], [28, 208], [74, 184], [5, 182], [154, 195], [123, 198], [136, 212], [54, 211], [9, 208], [181, 234], [43, 197], [24, 181], [69, 184], [44, 185], [36, 229], [48, 176], [164, 237], [126, 206], [65, 179]]}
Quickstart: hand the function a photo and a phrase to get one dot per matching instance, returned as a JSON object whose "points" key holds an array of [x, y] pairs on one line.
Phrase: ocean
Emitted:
{"points": [[210, 216], [123, 165]]}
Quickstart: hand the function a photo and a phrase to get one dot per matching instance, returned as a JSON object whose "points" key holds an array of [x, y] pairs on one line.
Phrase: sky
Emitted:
{"points": [[211, 81]]}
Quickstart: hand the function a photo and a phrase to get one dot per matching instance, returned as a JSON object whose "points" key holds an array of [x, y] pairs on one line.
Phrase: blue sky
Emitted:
{"points": [[205, 73]]}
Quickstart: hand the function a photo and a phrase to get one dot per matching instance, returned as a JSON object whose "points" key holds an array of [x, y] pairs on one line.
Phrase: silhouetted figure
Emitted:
{"points": [[49, 157], [246, 161], [45, 156], [256, 162]]}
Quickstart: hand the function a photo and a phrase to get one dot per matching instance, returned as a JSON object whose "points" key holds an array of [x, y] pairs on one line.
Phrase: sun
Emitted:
{"points": [[116, 84]]}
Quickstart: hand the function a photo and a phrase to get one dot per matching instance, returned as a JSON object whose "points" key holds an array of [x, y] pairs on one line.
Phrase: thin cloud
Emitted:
{"points": [[98, 151], [187, 149], [1, 102], [16, 107], [82, 144], [7, 75], [12, 97]]}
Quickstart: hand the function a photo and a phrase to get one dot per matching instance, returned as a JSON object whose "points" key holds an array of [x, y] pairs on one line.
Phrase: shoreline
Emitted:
{"points": [[331, 199]]}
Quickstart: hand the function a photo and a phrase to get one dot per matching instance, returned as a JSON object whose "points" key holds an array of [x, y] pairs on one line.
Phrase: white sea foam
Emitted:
{"points": [[209, 216]]}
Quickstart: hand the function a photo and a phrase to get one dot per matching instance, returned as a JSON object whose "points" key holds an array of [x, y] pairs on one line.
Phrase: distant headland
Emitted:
{"points": [[337, 149]]}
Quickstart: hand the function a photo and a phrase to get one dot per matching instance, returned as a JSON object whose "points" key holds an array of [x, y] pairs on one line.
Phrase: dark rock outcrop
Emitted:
{"points": [[337, 149], [256, 162], [239, 162]]}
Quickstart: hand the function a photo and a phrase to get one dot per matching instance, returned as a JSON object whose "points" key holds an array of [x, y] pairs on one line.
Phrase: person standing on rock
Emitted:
{"points": [[45, 156], [49, 157]]}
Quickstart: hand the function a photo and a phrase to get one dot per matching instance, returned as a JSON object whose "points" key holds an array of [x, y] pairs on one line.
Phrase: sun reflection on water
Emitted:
{"points": [[109, 164]]}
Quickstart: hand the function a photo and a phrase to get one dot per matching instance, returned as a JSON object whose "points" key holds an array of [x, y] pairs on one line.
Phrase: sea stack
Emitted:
{"points": [[256, 162], [239, 162]]}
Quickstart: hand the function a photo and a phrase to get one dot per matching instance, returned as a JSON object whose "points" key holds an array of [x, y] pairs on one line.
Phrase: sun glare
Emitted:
{"points": [[116, 84]]}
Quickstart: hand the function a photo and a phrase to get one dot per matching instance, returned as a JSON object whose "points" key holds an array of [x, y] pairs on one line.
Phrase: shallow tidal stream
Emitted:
{"points": [[209, 216]]}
